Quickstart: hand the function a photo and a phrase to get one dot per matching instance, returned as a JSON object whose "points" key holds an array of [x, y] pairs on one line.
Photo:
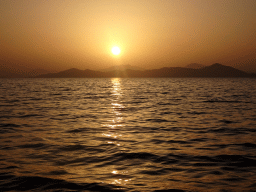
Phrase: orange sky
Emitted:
{"points": [[60, 34]]}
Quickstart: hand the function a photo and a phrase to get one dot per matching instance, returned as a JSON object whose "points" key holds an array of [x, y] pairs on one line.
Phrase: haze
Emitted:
{"points": [[58, 35]]}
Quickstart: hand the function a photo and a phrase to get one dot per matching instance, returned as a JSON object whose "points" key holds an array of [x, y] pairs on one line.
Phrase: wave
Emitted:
{"points": [[34, 183], [159, 134]]}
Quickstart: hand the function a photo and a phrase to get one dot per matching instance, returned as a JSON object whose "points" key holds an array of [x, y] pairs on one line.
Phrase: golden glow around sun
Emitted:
{"points": [[116, 50]]}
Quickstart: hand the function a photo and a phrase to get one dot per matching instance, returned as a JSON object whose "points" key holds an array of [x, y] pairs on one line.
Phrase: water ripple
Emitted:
{"points": [[128, 134]]}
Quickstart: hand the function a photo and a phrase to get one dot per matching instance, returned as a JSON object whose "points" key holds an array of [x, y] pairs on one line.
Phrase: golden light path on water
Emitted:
{"points": [[115, 124]]}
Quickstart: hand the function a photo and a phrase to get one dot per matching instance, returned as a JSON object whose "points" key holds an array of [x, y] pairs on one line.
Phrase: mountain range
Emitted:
{"points": [[195, 66], [215, 70], [191, 70], [122, 68]]}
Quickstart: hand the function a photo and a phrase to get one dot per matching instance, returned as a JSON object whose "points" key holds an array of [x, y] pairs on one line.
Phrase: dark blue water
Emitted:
{"points": [[128, 134]]}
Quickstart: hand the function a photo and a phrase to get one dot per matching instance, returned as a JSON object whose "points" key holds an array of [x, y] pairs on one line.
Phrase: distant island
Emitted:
{"points": [[215, 70], [192, 70]]}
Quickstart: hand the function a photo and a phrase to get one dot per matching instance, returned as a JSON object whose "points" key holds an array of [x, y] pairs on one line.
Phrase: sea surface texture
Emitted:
{"points": [[170, 134]]}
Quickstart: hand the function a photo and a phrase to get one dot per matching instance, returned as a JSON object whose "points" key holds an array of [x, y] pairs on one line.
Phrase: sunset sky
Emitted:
{"points": [[62, 34]]}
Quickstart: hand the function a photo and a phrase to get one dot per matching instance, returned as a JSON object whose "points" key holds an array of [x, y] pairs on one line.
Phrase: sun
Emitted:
{"points": [[116, 50]]}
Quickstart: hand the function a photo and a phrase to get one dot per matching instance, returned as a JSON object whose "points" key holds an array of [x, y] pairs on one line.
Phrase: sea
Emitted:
{"points": [[128, 134]]}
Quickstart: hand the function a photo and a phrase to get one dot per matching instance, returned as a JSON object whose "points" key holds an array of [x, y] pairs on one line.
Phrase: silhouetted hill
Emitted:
{"points": [[74, 73], [218, 70], [248, 68], [195, 66], [215, 70], [122, 68]]}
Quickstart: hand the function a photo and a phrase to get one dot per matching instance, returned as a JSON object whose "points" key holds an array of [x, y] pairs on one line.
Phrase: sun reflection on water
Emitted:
{"points": [[113, 131], [116, 105]]}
